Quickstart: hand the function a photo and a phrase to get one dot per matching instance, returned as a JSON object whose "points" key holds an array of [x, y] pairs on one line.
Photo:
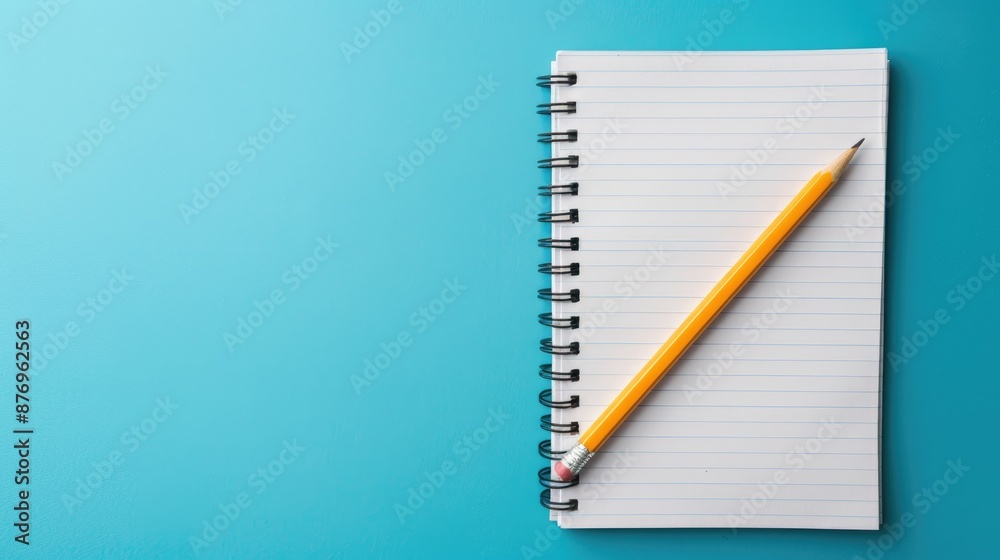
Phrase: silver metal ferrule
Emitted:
{"points": [[576, 458]]}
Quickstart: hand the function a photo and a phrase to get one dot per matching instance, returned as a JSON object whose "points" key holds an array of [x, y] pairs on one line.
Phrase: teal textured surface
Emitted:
{"points": [[279, 262]]}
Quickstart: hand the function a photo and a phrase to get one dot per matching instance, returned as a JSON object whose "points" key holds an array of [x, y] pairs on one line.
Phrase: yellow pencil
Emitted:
{"points": [[698, 321]]}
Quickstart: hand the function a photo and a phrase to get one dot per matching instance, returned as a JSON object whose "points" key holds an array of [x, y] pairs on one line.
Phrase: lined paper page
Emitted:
{"points": [[772, 418]]}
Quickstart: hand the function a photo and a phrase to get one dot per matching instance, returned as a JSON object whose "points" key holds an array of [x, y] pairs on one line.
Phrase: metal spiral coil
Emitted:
{"points": [[565, 296]]}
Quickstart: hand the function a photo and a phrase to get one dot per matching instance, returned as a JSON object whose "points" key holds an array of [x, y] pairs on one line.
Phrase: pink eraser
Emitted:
{"points": [[563, 472]]}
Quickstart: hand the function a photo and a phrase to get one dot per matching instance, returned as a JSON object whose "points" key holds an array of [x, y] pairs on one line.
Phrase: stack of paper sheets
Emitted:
{"points": [[773, 418]]}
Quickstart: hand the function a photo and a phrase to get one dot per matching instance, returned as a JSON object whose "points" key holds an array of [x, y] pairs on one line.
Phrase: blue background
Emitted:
{"points": [[462, 216]]}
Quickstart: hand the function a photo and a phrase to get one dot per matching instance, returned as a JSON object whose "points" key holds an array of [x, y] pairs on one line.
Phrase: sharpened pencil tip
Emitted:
{"points": [[837, 166]]}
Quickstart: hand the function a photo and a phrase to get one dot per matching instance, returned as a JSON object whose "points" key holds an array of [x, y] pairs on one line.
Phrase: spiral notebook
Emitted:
{"points": [[665, 167]]}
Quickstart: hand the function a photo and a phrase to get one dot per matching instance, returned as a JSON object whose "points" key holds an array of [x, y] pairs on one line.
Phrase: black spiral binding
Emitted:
{"points": [[570, 135], [548, 295], [545, 371], [571, 216], [573, 243], [571, 189], [567, 79]]}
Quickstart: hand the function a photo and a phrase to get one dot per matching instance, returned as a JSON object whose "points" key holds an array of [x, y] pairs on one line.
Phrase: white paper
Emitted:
{"points": [[772, 418]]}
